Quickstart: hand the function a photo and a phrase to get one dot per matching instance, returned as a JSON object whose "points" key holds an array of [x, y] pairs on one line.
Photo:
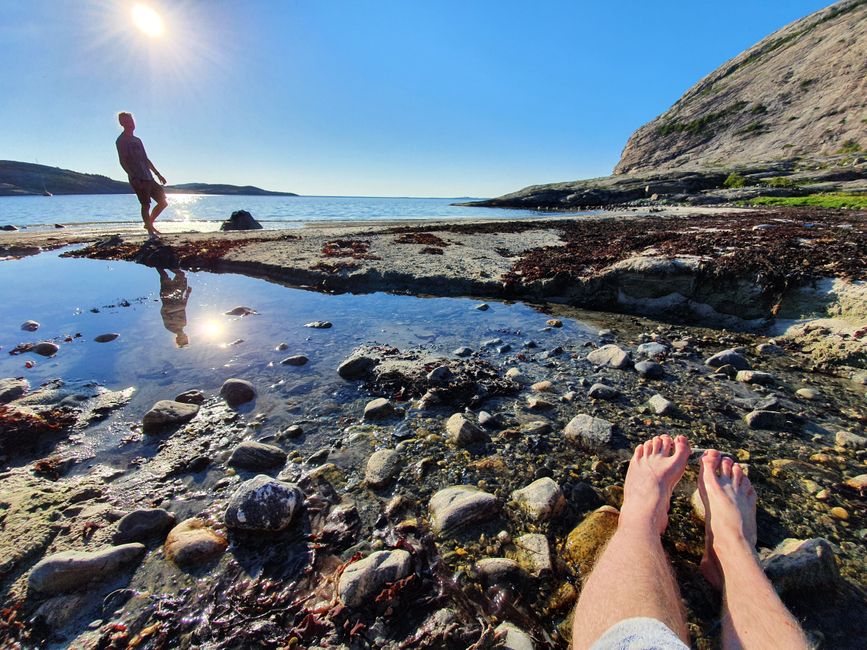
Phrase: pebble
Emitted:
{"points": [[487, 420], [499, 571], [589, 431], [364, 579], [73, 570], [256, 456], [382, 467], [503, 349], [533, 553], [649, 369], [460, 505], [461, 431], [281, 347], [517, 376], [755, 377], [319, 325], [45, 349], [193, 396], [482, 307], [192, 543], [168, 413], [840, 513], [728, 357], [12, 388], [440, 375], [602, 391], [292, 431], [850, 440], [554, 322], [241, 311], [769, 420], [539, 404], [662, 406], [379, 409], [537, 427], [611, 356], [542, 386], [295, 360], [141, 525], [857, 482], [769, 349], [237, 391], [263, 503], [30, 326], [651, 350], [512, 637], [802, 566], [106, 338], [492, 343], [541, 500], [807, 393], [462, 352]]}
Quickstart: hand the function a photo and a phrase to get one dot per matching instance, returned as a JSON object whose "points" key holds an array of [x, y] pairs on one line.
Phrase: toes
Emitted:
{"points": [[681, 448], [657, 444], [707, 470], [648, 447], [639, 452], [666, 444], [737, 476], [725, 467]]}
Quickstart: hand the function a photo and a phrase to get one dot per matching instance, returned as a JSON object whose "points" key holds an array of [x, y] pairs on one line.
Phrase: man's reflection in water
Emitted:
{"points": [[174, 293]]}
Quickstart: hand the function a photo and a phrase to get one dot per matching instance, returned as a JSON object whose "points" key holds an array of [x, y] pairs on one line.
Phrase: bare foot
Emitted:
{"points": [[730, 510], [654, 470]]}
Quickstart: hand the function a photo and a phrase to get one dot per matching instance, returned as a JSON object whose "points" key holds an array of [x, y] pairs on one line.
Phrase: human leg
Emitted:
{"points": [[632, 577], [753, 615], [159, 195]]}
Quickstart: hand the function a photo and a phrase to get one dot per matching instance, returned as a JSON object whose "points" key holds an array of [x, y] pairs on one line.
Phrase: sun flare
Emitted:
{"points": [[148, 20]]}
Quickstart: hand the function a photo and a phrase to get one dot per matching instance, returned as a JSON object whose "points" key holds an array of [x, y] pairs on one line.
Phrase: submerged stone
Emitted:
{"points": [[460, 505], [73, 570], [586, 541], [361, 581], [589, 431], [168, 413], [541, 500], [256, 456], [237, 391]]}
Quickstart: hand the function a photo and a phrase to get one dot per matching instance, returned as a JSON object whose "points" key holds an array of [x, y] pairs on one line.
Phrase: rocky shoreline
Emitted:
{"points": [[440, 497]]}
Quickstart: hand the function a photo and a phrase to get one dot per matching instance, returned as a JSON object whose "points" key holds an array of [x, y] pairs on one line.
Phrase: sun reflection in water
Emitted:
{"points": [[212, 330]]}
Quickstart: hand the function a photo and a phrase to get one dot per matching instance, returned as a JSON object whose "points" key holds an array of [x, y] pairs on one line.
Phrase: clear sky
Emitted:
{"points": [[360, 97]]}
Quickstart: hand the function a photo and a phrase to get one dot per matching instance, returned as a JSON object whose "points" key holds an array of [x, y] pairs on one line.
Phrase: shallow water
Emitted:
{"points": [[204, 212]]}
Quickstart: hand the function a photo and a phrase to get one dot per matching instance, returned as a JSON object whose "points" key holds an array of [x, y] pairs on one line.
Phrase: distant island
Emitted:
{"points": [[22, 179]]}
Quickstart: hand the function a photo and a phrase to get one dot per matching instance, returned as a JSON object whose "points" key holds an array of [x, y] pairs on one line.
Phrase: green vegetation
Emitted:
{"points": [[759, 109], [829, 200], [700, 124], [806, 83], [779, 181], [753, 128], [850, 146], [735, 180]]}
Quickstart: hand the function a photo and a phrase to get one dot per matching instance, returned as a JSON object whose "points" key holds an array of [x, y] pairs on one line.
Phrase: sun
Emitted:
{"points": [[147, 20]]}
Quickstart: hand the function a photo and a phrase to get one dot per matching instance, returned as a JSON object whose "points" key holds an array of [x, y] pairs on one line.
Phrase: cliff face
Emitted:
{"points": [[802, 91]]}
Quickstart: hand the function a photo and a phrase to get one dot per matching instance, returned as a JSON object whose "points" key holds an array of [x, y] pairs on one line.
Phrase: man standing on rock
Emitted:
{"points": [[138, 167]]}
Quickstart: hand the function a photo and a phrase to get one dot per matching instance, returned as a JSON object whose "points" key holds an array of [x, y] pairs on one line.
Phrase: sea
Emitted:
{"points": [[203, 212]]}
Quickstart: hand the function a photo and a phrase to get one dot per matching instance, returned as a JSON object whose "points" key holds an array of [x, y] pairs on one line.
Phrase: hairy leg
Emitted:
{"points": [[632, 576], [753, 615]]}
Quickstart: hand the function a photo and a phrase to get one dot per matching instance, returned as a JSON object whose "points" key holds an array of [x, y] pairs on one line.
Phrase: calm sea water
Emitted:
{"points": [[203, 212]]}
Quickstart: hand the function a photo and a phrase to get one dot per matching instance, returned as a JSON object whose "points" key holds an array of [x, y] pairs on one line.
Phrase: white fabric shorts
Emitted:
{"points": [[639, 634]]}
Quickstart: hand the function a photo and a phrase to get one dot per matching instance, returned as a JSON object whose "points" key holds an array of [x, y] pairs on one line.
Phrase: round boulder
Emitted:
{"points": [[263, 503], [237, 392]]}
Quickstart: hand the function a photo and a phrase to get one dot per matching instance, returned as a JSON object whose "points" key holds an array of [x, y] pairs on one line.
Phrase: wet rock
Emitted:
{"points": [[382, 467], [499, 571], [492, 343], [12, 388], [755, 377], [517, 376], [241, 311], [240, 220], [512, 637], [770, 349], [589, 432], [602, 391], [808, 393], [462, 432], [256, 456], [728, 358], [319, 325], [30, 326], [541, 500], [263, 503], [295, 360], [45, 349], [542, 386], [142, 525], [554, 322], [281, 347], [106, 338], [770, 420], [9, 227], [356, 367], [74, 570], [342, 525], [379, 409], [611, 356], [537, 428], [192, 543], [651, 350], [586, 541], [858, 483], [482, 307], [840, 513], [802, 566], [462, 352], [539, 404], [292, 431], [503, 349], [488, 421], [168, 413], [237, 392], [191, 397], [850, 440], [461, 505], [533, 553], [662, 406], [649, 369], [361, 581], [440, 375]]}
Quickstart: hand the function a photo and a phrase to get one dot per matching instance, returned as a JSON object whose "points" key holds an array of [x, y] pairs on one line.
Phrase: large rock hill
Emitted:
{"points": [[802, 91]]}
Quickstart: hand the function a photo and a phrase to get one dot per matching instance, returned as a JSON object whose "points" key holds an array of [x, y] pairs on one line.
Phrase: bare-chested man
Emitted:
{"points": [[138, 167], [631, 600]]}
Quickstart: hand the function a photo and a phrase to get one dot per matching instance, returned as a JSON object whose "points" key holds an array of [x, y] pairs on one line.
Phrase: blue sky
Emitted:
{"points": [[385, 98]]}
